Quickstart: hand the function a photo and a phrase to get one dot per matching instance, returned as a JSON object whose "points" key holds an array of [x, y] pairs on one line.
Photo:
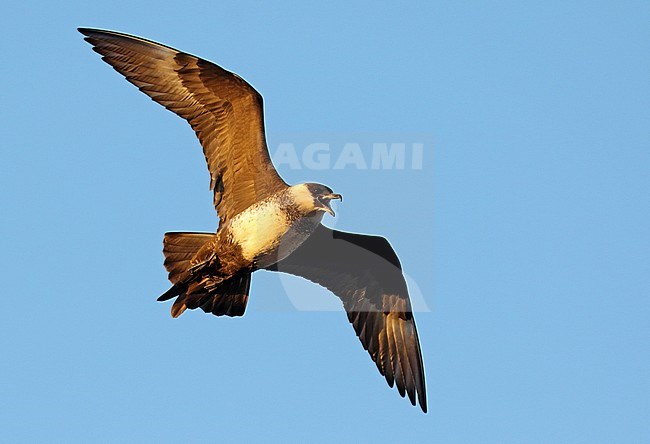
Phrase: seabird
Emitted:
{"points": [[263, 222]]}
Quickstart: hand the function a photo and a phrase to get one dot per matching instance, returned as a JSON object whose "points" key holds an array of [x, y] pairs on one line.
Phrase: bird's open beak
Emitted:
{"points": [[326, 199]]}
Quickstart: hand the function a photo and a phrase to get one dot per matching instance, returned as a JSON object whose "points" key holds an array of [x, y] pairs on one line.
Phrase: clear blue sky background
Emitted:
{"points": [[527, 230]]}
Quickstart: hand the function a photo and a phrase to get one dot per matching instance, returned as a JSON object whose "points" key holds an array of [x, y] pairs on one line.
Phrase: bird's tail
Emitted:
{"points": [[179, 249], [228, 297]]}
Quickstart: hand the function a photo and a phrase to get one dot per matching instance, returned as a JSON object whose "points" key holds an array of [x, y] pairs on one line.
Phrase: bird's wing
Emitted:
{"points": [[365, 273], [224, 111]]}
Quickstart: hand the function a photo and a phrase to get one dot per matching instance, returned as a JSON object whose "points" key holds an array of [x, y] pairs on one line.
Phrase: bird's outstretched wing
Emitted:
{"points": [[365, 273], [225, 112]]}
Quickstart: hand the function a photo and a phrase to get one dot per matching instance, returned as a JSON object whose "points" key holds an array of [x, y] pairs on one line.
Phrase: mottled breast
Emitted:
{"points": [[271, 229], [259, 228]]}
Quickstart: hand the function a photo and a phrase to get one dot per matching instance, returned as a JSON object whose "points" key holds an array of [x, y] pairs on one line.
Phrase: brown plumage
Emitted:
{"points": [[225, 112], [263, 222]]}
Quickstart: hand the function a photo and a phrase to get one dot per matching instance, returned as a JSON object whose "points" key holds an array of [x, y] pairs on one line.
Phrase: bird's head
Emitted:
{"points": [[314, 197]]}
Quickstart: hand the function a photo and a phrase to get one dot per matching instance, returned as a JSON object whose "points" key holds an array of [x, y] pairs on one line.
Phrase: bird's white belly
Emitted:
{"points": [[259, 229]]}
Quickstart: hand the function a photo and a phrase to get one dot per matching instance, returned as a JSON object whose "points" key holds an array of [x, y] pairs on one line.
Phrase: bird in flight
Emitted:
{"points": [[265, 224]]}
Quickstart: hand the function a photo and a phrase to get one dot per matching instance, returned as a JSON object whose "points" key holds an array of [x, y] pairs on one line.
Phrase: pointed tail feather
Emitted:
{"points": [[174, 291]]}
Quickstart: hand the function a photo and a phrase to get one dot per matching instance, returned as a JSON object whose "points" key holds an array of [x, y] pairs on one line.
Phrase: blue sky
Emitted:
{"points": [[526, 230]]}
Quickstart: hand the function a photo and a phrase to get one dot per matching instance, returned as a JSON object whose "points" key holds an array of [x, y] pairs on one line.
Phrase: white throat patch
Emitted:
{"points": [[302, 197]]}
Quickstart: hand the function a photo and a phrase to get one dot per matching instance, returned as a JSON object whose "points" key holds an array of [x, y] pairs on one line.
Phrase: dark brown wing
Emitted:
{"points": [[365, 273], [224, 111]]}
